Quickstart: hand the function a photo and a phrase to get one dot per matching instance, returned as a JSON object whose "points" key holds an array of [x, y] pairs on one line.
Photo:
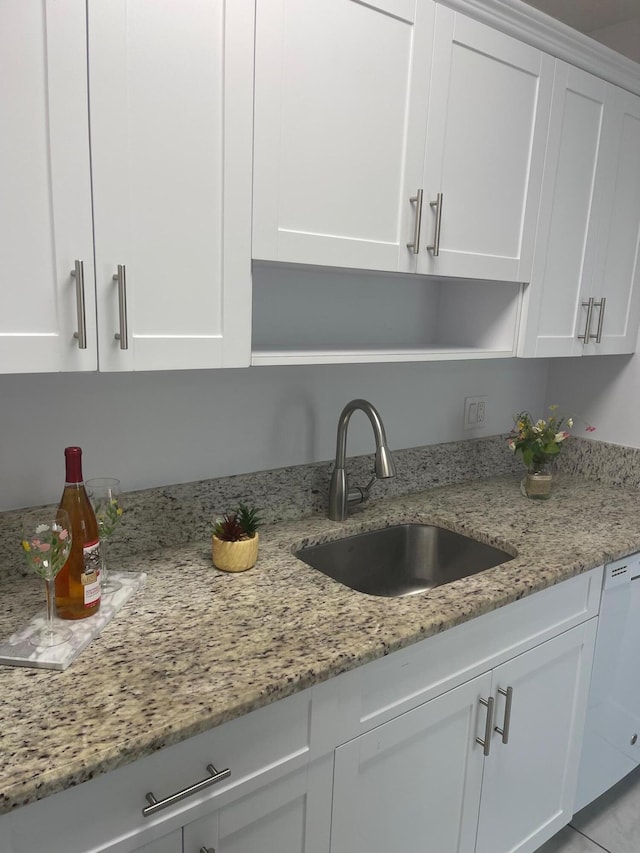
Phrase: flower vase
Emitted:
{"points": [[538, 480]]}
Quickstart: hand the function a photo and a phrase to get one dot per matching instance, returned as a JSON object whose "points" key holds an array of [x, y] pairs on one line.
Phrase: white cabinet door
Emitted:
{"points": [[45, 188], [273, 819], [422, 780], [588, 239], [340, 123], [171, 843], [488, 117], [171, 114], [529, 783], [342, 98], [617, 268], [413, 779], [565, 252]]}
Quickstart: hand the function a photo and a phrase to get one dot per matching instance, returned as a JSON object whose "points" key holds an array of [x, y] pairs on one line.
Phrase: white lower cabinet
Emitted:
{"points": [[529, 783], [171, 843], [413, 779], [414, 751], [278, 818], [271, 819], [489, 766], [291, 814]]}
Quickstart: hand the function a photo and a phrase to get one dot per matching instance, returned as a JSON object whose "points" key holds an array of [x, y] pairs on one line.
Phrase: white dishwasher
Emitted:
{"points": [[611, 747]]}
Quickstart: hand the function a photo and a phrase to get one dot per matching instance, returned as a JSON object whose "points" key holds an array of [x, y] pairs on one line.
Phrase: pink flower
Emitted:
{"points": [[44, 546], [590, 429], [64, 534]]}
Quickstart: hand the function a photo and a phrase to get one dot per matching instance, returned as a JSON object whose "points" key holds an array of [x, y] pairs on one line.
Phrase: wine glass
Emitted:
{"points": [[46, 543], [105, 495]]}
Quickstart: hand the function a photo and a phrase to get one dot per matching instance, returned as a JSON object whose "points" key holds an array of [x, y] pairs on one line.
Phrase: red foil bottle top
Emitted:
{"points": [[73, 464]]}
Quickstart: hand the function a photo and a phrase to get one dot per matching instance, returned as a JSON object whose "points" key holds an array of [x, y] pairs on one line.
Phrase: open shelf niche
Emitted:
{"points": [[326, 315]]}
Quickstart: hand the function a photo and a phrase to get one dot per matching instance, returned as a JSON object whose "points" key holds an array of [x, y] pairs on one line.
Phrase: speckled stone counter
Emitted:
{"points": [[199, 647]]}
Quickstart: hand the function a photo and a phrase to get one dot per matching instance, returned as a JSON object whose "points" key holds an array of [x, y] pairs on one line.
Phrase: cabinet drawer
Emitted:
{"points": [[257, 748], [385, 688]]}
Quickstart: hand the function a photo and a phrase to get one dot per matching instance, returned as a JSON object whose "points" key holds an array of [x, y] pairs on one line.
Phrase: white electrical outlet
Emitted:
{"points": [[475, 412]]}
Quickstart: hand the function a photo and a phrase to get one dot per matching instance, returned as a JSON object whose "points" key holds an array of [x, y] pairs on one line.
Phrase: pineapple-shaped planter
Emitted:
{"points": [[235, 538]]}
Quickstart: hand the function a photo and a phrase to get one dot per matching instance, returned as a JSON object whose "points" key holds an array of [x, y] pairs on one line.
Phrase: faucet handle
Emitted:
{"points": [[360, 494]]}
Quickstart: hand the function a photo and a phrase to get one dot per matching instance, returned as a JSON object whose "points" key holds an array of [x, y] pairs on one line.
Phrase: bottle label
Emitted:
{"points": [[90, 577]]}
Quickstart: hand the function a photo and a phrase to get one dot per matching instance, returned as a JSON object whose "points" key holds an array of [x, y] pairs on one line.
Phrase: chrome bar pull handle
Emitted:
{"points": [[155, 805], [587, 326], [488, 728], [504, 731], [435, 249], [417, 200], [121, 278], [601, 305], [81, 334], [206, 850]]}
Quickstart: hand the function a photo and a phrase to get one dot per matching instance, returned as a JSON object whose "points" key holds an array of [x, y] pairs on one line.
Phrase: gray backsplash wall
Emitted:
{"points": [[152, 429], [611, 464]]}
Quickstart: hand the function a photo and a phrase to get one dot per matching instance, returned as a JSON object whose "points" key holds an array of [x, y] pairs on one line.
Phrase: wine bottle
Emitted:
{"points": [[78, 584]]}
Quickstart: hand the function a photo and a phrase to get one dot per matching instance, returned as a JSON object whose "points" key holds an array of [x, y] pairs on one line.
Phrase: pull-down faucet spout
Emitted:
{"points": [[340, 496]]}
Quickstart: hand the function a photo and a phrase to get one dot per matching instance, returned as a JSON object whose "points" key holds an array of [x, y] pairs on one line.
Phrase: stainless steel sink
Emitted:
{"points": [[402, 560]]}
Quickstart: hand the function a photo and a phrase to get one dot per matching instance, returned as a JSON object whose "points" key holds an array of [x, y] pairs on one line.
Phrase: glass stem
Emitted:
{"points": [[51, 602], [104, 572]]}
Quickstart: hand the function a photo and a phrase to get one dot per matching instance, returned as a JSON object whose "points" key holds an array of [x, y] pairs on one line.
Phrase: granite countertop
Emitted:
{"points": [[198, 647]]}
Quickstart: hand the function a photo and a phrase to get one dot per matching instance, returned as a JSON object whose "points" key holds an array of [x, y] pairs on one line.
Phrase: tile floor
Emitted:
{"points": [[611, 823]]}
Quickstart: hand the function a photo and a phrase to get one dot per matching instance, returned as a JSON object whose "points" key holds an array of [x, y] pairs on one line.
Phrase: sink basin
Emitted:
{"points": [[402, 560]]}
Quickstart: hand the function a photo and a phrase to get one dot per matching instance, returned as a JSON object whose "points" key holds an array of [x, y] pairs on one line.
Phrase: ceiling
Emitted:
{"points": [[601, 19], [589, 15]]}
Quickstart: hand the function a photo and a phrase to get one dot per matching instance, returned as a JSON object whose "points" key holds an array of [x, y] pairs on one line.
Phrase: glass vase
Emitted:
{"points": [[538, 480]]}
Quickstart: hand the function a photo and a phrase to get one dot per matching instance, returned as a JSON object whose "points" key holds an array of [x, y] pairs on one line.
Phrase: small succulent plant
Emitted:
{"points": [[238, 524]]}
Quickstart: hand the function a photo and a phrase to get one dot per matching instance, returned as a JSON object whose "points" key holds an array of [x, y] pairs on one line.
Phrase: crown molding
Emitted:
{"points": [[528, 24]]}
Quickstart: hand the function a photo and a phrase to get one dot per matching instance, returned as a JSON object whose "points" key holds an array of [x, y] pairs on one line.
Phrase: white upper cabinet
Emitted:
{"points": [[171, 111], [45, 189], [344, 173], [568, 224], [617, 269], [390, 135], [340, 120], [162, 136], [584, 296], [488, 118]]}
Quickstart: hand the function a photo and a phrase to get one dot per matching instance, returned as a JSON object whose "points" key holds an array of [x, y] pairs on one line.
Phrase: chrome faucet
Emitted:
{"points": [[340, 495]]}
